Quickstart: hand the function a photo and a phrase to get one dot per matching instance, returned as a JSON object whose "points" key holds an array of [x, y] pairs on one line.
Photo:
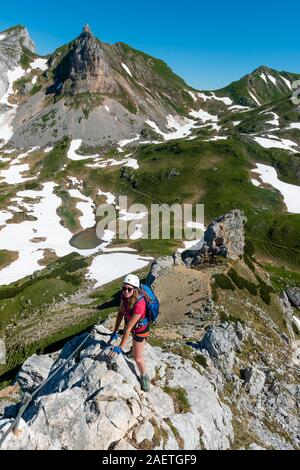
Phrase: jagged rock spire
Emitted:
{"points": [[86, 31]]}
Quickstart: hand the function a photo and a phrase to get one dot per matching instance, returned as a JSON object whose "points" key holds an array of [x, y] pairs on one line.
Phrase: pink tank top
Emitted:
{"points": [[139, 308]]}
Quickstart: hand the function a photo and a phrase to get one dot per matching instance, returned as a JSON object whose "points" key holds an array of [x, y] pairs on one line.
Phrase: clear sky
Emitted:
{"points": [[208, 43]]}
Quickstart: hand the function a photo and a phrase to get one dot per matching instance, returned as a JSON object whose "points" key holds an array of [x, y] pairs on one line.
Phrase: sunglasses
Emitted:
{"points": [[127, 289]]}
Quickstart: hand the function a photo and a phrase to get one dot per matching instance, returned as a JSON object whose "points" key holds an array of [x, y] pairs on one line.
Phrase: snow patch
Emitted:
{"points": [[125, 142], [132, 163], [13, 175], [255, 182], [238, 107], [275, 142], [204, 116], [262, 75], [224, 99], [39, 64], [294, 125], [254, 98], [74, 146], [4, 217], [275, 121], [127, 69], [86, 207], [286, 81], [290, 192], [272, 79], [108, 267], [110, 198], [193, 95]]}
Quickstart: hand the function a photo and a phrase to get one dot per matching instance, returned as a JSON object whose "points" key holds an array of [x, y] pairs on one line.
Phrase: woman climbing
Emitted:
{"points": [[133, 309]]}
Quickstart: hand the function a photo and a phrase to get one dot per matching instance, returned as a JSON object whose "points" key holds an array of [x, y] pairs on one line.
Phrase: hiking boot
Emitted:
{"points": [[145, 383]]}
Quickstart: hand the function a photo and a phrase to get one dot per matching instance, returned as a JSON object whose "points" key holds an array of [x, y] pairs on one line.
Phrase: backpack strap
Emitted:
{"points": [[140, 297]]}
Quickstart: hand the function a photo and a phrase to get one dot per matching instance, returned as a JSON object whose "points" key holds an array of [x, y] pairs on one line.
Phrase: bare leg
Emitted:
{"points": [[138, 355]]}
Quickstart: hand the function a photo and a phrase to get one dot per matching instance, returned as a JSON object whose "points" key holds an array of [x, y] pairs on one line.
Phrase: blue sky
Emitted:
{"points": [[209, 44]]}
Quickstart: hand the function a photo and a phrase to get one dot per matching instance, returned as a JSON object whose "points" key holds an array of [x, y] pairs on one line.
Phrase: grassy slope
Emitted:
{"points": [[218, 175], [265, 92]]}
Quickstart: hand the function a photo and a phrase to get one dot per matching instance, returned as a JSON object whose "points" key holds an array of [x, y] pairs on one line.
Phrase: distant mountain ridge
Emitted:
{"points": [[114, 92]]}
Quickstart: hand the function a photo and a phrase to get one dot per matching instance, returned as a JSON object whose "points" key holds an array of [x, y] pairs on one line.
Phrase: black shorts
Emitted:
{"points": [[141, 336], [138, 339]]}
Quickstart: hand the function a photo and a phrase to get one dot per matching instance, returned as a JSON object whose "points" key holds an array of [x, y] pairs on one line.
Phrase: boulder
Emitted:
{"points": [[33, 372], [222, 339], [225, 236], [159, 267]]}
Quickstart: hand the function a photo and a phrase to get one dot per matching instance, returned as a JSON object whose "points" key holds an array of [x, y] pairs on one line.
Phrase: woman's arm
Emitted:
{"points": [[118, 321]]}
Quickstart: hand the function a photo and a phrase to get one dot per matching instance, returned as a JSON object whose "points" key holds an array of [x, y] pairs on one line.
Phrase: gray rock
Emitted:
{"points": [[225, 236], [144, 432], [186, 427], [219, 340], [254, 446], [159, 267], [33, 372], [178, 261], [124, 445], [254, 380], [293, 294], [90, 405]]}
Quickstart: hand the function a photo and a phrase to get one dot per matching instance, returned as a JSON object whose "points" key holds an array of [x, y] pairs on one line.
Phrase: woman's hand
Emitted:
{"points": [[115, 351]]}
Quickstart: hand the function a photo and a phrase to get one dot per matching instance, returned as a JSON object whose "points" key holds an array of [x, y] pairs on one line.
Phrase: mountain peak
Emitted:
{"points": [[19, 33], [86, 30]]}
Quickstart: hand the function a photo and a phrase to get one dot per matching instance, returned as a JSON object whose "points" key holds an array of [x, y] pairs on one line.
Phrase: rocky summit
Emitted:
{"points": [[96, 403]]}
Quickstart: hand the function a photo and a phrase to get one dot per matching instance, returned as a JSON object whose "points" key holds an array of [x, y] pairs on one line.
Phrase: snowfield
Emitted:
{"points": [[294, 125], [108, 267], [6, 118], [74, 146], [275, 142], [86, 207], [13, 175], [204, 116], [180, 127], [31, 237], [290, 192]]}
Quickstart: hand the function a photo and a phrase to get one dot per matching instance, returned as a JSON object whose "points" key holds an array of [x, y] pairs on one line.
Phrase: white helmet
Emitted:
{"points": [[132, 279]]}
